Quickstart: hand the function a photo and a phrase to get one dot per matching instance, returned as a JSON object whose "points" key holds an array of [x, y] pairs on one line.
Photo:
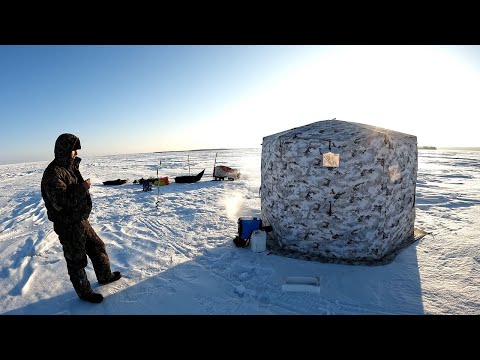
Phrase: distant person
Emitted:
{"points": [[68, 202]]}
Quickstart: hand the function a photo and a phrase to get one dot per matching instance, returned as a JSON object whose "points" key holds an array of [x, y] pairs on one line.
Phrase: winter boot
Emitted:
{"points": [[115, 276], [92, 297]]}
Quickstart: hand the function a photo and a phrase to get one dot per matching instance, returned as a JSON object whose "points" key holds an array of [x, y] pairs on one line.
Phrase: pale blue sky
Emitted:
{"points": [[129, 99]]}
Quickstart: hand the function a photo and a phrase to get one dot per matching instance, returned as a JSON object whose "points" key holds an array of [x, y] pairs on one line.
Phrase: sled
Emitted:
{"points": [[189, 178], [114, 182]]}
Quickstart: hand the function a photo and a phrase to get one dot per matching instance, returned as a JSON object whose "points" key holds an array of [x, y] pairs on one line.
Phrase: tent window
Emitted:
{"points": [[331, 160]]}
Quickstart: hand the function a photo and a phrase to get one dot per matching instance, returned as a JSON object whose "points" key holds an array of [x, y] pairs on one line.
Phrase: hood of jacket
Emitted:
{"points": [[63, 148]]}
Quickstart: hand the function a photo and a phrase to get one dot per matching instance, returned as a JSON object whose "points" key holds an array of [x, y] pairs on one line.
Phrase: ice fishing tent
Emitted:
{"points": [[338, 190]]}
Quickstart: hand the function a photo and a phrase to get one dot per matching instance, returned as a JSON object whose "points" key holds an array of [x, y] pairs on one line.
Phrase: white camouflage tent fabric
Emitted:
{"points": [[339, 191]]}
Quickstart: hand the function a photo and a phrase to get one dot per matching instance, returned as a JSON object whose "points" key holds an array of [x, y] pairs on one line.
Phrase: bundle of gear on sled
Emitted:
{"points": [[222, 172], [148, 183]]}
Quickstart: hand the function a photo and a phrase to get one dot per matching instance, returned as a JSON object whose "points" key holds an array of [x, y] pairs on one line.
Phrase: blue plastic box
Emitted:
{"points": [[246, 225]]}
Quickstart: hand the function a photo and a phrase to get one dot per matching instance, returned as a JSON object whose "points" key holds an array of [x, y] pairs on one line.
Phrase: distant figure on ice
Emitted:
{"points": [[68, 202]]}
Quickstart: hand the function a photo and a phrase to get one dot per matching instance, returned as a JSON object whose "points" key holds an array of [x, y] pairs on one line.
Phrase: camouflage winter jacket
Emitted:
{"points": [[66, 199]]}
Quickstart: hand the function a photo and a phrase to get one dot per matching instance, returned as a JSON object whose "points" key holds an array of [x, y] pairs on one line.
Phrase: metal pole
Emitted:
{"points": [[158, 187], [214, 163]]}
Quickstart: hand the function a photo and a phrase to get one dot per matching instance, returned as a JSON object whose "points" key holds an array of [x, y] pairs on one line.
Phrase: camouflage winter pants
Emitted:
{"points": [[78, 241]]}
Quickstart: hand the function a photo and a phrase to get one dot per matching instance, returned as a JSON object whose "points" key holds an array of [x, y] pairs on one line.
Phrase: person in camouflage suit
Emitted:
{"points": [[68, 203]]}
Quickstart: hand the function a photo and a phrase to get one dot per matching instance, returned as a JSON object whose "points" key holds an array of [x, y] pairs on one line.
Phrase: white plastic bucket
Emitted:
{"points": [[258, 241]]}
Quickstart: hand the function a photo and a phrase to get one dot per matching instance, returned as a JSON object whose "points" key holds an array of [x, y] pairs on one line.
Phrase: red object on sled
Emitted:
{"points": [[161, 181]]}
